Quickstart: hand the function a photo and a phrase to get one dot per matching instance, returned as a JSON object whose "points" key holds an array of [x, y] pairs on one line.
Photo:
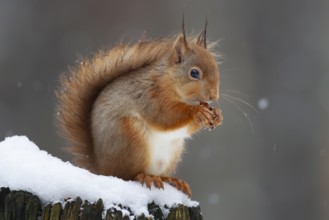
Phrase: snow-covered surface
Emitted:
{"points": [[23, 166]]}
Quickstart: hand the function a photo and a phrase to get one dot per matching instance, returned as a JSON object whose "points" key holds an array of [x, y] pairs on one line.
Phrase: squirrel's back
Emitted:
{"points": [[81, 86]]}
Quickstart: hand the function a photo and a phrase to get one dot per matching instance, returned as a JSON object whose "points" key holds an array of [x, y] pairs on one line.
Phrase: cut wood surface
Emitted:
{"points": [[21, 205]]}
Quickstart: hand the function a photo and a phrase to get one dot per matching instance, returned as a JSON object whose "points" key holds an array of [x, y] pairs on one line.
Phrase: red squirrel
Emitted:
{"points": [[126, 112]]}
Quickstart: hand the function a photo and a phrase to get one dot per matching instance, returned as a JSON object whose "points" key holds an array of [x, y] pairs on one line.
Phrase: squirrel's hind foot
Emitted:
{"points": [[158, 182], [179, 184], [149, 179]]}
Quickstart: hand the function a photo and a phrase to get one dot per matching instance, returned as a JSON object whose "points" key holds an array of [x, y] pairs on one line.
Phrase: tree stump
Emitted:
{"points": [[21, 205]]}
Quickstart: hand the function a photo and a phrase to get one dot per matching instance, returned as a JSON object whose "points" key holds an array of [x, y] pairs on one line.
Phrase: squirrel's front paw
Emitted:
{"points": [[203, 116], [207, 117], [218, 117]]}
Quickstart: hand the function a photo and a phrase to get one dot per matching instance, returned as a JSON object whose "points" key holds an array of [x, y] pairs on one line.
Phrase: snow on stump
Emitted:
{"points": [[36, 185]]}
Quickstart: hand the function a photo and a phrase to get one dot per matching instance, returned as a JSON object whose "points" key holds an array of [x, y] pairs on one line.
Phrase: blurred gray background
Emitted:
{"points": [[265, 164]]}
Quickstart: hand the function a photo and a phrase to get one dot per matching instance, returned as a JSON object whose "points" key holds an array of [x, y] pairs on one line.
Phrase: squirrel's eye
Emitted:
{"points": [[194, 73]]}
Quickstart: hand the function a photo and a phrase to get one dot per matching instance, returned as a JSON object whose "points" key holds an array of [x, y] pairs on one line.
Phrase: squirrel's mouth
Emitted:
{"points": [[198, 102]]}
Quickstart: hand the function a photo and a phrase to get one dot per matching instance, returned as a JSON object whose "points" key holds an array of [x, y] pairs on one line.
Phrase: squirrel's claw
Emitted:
{"points": [[158, 182], [149, 179]]}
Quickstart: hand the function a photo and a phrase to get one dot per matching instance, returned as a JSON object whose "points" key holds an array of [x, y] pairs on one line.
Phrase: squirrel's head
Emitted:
{"points": [[195, 70]]}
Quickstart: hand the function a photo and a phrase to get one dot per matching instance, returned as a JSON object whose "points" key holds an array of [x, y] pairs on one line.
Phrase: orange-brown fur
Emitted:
{"points": [[80, 88], [109, 106]]}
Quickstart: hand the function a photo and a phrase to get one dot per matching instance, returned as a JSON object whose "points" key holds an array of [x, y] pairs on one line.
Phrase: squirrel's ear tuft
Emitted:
{"points": [[181, 48], [202, 38]]}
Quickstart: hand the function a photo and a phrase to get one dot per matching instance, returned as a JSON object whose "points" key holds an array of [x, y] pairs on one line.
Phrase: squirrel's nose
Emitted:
{"points": [[213, 97]]}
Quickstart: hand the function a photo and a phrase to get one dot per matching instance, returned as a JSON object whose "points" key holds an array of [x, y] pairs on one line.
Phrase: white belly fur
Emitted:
{"points": [[163, 149]]}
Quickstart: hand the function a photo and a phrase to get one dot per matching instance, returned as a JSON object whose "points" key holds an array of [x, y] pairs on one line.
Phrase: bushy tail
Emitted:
{"points": [[81, 86]]}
